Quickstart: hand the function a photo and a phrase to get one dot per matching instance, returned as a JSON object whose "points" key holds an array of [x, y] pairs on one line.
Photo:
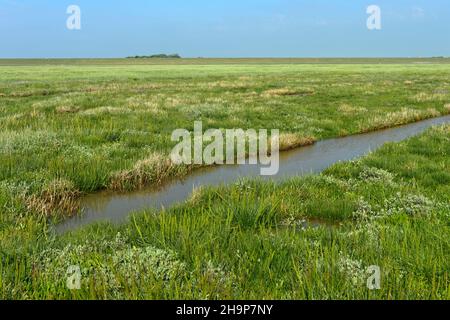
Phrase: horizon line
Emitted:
{"points": [[180, 58]]}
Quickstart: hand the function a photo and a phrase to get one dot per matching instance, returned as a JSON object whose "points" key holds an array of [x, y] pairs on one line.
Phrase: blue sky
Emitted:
{"points": [[224, 28]]}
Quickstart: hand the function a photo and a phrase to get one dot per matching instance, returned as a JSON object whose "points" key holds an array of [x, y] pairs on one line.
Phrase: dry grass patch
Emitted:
{"points": [[67, 109], [426, 97], [145, 105], [153, 170], [58, 197], [241, 84], [105, 110], [290, 141], [347, 109], [398, 118], [196, 195], [287, 92]]}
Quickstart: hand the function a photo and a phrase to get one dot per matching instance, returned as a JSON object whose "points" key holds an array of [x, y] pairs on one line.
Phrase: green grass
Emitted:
{"points": [[90, 123], [73, 127], [248, 240]]}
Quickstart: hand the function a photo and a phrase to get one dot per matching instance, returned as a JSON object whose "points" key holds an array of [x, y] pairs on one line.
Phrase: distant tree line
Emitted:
{"points": [[158, 56]]}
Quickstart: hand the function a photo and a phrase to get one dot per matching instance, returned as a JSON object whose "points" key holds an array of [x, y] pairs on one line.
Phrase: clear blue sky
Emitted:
{"points": [[224, 28]]}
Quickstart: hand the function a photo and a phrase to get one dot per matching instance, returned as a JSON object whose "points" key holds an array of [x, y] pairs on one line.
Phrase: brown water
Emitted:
{"points": [[114, 207]]}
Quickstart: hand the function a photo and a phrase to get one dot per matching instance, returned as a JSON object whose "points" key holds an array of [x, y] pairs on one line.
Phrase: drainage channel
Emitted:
{"points": [[116, 207]]}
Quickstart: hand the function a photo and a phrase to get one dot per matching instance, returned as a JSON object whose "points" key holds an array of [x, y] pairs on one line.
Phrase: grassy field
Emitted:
{"points": [[74, 127]]}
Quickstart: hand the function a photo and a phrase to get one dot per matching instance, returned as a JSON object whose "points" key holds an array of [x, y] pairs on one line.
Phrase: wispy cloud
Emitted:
{"points": [[417, 12]]}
